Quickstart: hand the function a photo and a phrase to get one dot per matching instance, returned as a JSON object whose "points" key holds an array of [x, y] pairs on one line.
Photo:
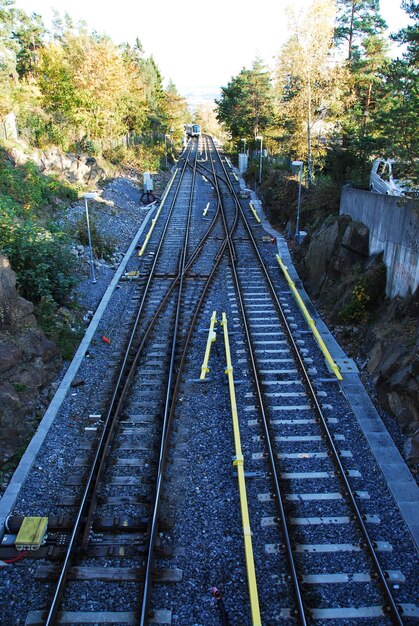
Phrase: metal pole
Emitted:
{"points": [[165, 145], [297, 226], [90, 243], [260, 161]]}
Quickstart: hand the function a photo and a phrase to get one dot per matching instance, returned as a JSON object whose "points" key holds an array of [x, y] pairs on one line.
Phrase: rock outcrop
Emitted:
{"points": [[28, 362], [76, 168], [392, 349], [328, 257], [332, 261]]}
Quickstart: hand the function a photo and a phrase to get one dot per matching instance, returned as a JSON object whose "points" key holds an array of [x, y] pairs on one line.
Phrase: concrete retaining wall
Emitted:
{"points": [[394, 229]]}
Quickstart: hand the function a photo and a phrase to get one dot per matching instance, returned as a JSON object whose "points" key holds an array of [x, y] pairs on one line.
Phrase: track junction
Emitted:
{"points": [[249, 497]]}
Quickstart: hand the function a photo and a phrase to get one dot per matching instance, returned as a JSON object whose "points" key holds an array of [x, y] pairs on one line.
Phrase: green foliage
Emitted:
{"points": [[357, 308], [24, 185], [321, 200], [86, 145], [368, 291], [103, 247], [280, 194], [396, 117], [29, 37], [38, 255], [61, 325], [245, 106], [356, 20], [20, 387], [116, 156], [79, 87]]}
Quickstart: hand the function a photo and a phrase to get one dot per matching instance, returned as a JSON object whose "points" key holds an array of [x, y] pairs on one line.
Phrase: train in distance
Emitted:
{"points": [[193, 130]]}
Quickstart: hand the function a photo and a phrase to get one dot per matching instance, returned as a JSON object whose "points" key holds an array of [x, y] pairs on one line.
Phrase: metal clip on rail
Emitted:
{"points": [[212, 336], [310, 321], [239, 463]]}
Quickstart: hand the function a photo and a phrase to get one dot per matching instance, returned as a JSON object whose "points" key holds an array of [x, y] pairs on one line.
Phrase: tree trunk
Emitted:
{"points": [[367, 108], [309, 160], [351, 31]]}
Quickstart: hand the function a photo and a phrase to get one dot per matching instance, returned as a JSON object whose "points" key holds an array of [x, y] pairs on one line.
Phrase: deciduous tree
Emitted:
{"points": [[307, 80]]}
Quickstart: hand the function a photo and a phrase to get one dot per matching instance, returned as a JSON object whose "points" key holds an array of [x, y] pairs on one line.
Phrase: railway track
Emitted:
{"points": [[153, 496]]}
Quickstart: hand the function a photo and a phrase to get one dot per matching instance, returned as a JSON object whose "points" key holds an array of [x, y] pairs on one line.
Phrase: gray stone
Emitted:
{"points": [[10, 355]]}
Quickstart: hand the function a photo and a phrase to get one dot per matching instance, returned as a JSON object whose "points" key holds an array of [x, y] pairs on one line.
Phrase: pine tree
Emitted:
{"points": [[399, 102], [356, 20], [29, 37], [245, 107]]}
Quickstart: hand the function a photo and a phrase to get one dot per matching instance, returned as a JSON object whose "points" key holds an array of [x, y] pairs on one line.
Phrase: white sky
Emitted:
{"points": [[199, 45]]}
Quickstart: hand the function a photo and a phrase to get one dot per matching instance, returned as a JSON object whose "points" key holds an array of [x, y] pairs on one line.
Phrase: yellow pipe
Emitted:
{"points": [[252, 208], [239, 463], [154, 220], [310, 321], [212, 336]]}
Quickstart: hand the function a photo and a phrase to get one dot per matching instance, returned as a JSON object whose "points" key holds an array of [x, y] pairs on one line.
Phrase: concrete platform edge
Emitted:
{"points": [[21, 473]]}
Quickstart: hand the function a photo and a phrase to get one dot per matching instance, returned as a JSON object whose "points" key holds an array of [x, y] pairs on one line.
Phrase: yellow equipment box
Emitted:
{"points": [[31, 533]]}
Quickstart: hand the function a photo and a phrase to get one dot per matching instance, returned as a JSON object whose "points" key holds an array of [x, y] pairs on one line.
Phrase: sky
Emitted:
{"points": [[198, 45]]}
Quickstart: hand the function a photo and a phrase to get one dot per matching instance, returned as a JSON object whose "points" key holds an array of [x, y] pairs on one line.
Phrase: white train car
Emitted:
{"points": [[193, 130]]}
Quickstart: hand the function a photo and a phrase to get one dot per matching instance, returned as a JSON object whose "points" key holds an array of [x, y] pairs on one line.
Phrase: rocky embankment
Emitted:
{"points": [[75, 168], [28, 362], [348, 286]]}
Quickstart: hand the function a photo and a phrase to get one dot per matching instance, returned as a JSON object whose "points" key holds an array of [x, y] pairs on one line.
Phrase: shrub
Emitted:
{"points": [[367, 293], [86, 145], [62, 326], [39, 256], [357, 308], [20, 387], [103, 247], [117, 155], [28, 188]]}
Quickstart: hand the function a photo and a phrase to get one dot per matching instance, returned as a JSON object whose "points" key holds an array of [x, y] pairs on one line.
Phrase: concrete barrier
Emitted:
{"points": [[393, 223]]}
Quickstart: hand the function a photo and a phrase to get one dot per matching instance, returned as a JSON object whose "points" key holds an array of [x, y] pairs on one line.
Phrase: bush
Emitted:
{"points": [[86, 145], [116, 156], [39, 256], [357, 308], [103, 247], [62, 326], [367, 294], [28, 188]]}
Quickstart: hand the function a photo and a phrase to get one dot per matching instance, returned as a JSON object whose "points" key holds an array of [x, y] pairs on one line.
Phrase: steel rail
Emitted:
{"points": [[87, 505], [156, 498], [124, 377], [169, 413], [277, 489], [335, 453]]}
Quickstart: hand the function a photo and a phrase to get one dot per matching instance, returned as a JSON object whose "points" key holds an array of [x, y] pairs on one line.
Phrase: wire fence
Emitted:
{"points": [[10, 130], [130, 139]]}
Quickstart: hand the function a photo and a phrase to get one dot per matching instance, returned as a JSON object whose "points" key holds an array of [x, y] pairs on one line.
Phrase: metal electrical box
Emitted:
{"points": [[148, 182], [242, 163]]}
